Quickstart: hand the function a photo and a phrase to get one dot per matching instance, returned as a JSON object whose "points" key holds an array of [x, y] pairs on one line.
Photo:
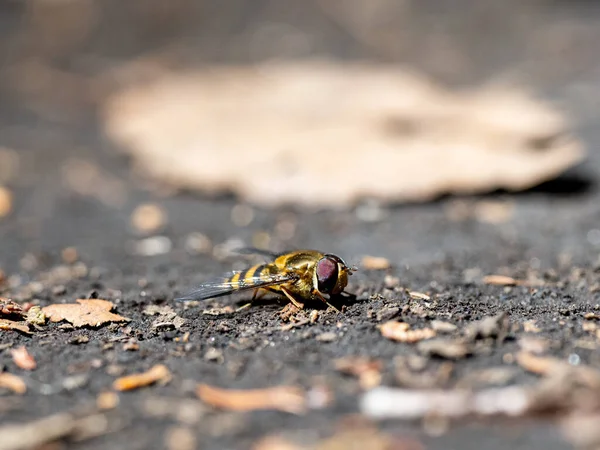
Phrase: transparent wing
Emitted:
{"points": [[258, 251], [221, 286]]}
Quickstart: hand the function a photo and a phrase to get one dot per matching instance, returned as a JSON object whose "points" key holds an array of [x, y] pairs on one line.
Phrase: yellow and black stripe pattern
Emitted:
{"points": [[260, 276], [250, 277]]}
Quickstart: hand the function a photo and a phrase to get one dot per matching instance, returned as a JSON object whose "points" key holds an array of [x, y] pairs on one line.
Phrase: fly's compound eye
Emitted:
{"points": [[327, 274]]}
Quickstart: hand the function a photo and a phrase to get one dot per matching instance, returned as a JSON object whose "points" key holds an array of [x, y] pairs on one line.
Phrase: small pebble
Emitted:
{"points": [[371, 212], [326, 337], [107, 400], [152, 246], [148, 218], [198, 243], [180, 438], [242, 215], [59, 290], [215, 355], [443, 327], [387, 313], [390, 282], [69, 255]]}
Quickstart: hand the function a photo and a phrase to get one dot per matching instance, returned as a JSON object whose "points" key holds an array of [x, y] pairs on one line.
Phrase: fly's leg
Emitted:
{"points": [[318, 294], [292, 299], [255, 296]]}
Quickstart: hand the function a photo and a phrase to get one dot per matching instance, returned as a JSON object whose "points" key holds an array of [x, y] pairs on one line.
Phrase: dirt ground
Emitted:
{"points": [[71, 191], [549, 236]]}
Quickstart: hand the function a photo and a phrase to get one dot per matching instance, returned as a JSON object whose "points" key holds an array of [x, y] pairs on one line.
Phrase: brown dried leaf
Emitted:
{"points": [[367, 370], [283, 398], [10, 308], [12, 382], [6, 324], [401, 332], [324, 112], [158, 373], [89, 312], [23, 358]]}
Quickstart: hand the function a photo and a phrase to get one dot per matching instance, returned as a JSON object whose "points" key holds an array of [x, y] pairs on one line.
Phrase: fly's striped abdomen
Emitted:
{"points": [[250, 277]]}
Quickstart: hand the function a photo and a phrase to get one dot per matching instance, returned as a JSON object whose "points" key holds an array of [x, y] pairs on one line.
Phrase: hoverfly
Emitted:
{"points": [[299, 275]]}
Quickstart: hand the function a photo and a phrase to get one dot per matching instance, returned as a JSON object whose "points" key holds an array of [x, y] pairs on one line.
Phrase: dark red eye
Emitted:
{"points": [[327, 274]]}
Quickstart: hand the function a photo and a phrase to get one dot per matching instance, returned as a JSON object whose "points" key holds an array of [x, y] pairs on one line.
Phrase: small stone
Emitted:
{"points": [[152, 246], [59, 290], [214, 355], [180, 438], [69, 255], [443, 327], [371, 212], [390, 282], [198, 243], [148, 218], [326, 337], [444, 348], [77, 340], [242, 215], [107, 400], [387, 313]]}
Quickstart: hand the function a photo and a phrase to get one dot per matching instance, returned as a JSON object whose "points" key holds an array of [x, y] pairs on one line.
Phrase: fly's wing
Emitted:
{"points": [[258, 251], [221, 286]]}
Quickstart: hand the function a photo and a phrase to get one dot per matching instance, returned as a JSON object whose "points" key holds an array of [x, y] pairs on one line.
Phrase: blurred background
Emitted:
{"points": [[132, 118]]}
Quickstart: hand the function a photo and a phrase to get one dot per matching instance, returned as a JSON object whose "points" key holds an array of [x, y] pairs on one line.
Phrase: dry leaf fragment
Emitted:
{"points": [[158, 373], [89, 312], [6, 324], [12, 382], [283, 398], [367, 370], [10, 308], [376, 263], [401, 332], [23, 358], [419, 295], [500, 280]]}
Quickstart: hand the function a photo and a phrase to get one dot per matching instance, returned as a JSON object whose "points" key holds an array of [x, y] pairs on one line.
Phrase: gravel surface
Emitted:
{"points": [[69, 236]]}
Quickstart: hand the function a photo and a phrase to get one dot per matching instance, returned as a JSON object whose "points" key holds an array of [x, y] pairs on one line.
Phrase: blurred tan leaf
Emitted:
{"points": [[325, 134]]}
